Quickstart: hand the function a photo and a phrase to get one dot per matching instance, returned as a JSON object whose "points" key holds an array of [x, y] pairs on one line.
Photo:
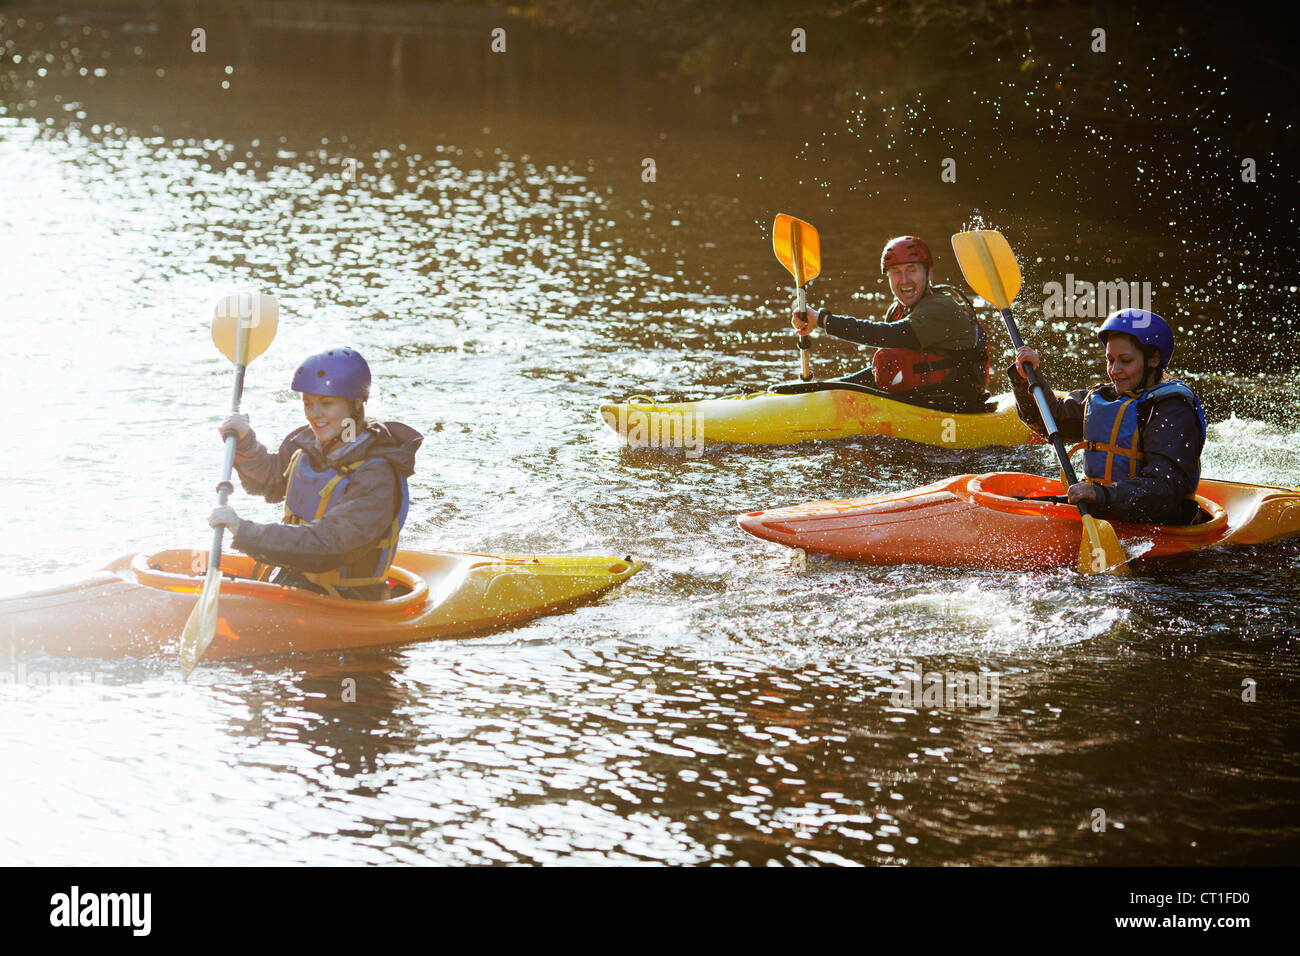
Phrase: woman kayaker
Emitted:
{"points": [[342, 477], [1143, 432], [928, 344]]}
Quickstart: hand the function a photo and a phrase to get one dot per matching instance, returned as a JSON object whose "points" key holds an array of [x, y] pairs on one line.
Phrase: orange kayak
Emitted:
{"points": [[992, 521], [137, 605]]}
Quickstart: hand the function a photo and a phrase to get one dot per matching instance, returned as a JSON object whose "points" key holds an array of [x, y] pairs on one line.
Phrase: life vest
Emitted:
{"points": [[310, 493], [905, 370], [1112, 430]]}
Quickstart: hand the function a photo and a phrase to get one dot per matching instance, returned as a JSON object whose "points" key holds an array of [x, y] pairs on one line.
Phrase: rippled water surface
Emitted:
{"points": [[496, 255]]}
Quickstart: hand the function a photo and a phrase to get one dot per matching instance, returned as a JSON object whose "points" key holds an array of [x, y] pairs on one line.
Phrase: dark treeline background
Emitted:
{"points": [[1177, 57]]}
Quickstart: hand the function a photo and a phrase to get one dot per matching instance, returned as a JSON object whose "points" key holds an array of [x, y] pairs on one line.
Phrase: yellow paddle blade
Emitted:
{"points": [[796, 244], [201, 626], [259, 313], [1099, 549], [989, 265]]}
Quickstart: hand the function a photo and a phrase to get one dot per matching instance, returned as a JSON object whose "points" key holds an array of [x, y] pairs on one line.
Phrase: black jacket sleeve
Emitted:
{"points": [[883, 335], [1067, 410]]}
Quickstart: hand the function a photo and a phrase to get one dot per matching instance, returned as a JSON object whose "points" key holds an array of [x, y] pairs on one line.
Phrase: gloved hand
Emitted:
{"points": [[224, 516], [236, 424]]}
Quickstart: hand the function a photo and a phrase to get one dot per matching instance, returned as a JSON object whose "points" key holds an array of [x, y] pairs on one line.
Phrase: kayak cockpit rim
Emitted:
{"points": [[994, 490], [172, 570]]}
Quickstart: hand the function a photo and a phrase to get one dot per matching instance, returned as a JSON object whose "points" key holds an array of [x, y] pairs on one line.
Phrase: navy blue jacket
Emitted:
{"points": [[1171, 442]]}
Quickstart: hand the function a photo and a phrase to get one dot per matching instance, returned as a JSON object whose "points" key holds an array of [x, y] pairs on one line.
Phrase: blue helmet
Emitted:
{"points": [[1147, 327], [341, 372]]}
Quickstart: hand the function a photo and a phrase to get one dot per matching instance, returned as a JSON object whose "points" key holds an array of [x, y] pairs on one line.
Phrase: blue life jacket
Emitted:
{"points": [[1112, 430], [311, 493]]}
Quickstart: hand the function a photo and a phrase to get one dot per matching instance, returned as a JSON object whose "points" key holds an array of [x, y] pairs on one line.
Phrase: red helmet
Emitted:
{"points": [[905, 249]]}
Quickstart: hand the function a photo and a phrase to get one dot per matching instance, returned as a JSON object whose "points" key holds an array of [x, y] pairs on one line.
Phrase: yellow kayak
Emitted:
{"points": [[814, 411], [137, 605]]}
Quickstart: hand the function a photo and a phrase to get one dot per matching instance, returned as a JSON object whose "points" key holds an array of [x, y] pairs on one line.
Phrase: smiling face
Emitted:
{"points": [[326, 415], [1125, 363], [908, 281]]}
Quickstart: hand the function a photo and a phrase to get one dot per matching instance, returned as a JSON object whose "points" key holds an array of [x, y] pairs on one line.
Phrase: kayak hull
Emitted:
{"points": [[137, 605], [979, 521], [779, 418]]}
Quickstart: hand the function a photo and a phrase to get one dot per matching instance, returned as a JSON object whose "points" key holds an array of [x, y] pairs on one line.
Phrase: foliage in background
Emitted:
{"points": [[1174, 55]]}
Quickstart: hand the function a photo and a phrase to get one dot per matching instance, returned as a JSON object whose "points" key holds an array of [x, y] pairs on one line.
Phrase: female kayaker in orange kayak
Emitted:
{"points": [[928, 343], [1143, 433], [342, 478]]}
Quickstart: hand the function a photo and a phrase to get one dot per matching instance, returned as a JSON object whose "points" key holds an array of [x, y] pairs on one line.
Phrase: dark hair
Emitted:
{"points": [[1155, 372]]}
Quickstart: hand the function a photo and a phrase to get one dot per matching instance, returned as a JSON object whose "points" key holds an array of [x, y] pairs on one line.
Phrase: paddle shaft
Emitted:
{"points": [[1039, 391], [224, 486], [796, 258], [201, 626]]}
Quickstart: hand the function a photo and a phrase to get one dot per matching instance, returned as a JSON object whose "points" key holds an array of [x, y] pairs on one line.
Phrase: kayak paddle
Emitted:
{"points": [[990, 267], [242, 329], [796, 244]]}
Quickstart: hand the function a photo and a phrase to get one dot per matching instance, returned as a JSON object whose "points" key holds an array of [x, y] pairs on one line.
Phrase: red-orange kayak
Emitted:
{"points": [[137, 605], [991, 521]]}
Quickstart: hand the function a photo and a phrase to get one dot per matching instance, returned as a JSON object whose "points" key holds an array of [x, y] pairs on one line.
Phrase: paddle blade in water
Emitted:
{"points": [[989, 265], [796, 244], [260, 314], [1099, 550], [201, 627]]}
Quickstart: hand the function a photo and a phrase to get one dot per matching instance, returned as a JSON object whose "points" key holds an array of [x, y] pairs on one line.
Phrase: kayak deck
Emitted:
{"points": [[984, 521], [784, 418], [138, 604]]}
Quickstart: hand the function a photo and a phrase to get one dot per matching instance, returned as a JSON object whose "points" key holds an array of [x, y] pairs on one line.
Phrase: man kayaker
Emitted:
{"points": [[928, 344], [1143, 433], [342, 477]]}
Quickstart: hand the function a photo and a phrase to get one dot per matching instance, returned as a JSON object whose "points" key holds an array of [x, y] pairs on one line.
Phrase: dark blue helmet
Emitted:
{"points": [[1147, 327], [341, 372]]}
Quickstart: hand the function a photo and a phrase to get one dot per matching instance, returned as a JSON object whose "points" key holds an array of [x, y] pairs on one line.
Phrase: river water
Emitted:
{"points": [[483, 232]]}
